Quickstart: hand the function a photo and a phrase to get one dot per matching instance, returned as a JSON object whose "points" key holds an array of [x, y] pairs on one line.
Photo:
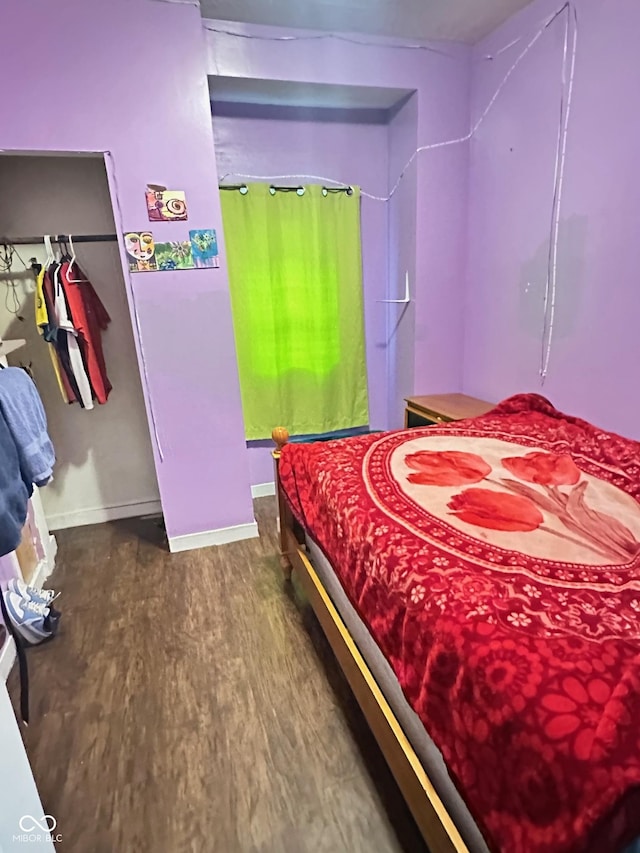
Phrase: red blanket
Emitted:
{"points": [[496, 562]]}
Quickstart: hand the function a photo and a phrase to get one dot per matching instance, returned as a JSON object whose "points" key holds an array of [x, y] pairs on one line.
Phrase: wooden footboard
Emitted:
{"points": [[434, 822]]}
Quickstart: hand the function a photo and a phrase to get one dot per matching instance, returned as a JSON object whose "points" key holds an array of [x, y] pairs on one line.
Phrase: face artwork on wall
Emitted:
{"points": [[141, 249], [166, 205], [204, 244]]}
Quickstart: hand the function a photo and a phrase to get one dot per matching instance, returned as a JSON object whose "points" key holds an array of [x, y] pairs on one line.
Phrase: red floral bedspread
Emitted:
{"points": [[496, 562]]}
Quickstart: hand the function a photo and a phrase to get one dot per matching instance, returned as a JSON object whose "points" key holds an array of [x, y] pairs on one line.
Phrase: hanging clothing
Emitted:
{"points": [[42, 315], [24, 415], [14, 492], [90, 318], [59, 341], [65, 325], [71, 317], [42, 323]]}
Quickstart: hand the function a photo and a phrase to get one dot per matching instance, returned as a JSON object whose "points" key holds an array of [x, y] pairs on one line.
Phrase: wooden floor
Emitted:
{"points": [[191, 703]]}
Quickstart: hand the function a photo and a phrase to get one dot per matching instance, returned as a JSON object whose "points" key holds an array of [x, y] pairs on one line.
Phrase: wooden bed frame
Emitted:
{"points": [[435, 823]]}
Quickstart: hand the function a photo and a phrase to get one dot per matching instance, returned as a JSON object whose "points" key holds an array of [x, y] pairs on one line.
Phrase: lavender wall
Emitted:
{"points": [[430, 359], [133, 77], [403, 250], [280, 145], [7, 570], [597, 347]]}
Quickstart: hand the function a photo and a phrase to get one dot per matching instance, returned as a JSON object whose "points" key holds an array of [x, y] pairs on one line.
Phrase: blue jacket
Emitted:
{"points": [[24, 414], [14, 492]]}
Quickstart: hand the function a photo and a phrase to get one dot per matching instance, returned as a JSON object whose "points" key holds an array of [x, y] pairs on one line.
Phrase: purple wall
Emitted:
{"points": [[132, 76], [441, 228], [427, 352], [403, 251], [596, 351], [279, 145], [7, 569]]}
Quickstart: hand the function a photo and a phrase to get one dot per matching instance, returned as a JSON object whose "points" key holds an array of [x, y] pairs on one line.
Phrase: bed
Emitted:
{"points": [[479, 583]]}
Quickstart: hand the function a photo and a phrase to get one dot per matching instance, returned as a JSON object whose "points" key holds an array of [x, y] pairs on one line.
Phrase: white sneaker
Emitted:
{"points": [[32, 593], [29, 618]]}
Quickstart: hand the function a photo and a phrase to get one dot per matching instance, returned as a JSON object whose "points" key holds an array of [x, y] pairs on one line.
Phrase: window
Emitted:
{"points": [[295, 272]]}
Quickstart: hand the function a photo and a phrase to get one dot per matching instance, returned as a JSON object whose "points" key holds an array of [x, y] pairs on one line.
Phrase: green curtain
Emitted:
{"points": [[295, 272]]}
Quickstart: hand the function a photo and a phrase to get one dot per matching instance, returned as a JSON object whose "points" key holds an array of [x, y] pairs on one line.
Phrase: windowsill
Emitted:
{"points": [[325, 436]]}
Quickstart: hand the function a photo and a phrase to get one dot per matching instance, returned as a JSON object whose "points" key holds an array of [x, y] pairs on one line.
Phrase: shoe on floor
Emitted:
{"points": [[33, 621], [32, 593]]}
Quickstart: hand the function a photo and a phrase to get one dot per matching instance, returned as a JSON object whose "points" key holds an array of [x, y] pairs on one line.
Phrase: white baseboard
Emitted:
{"points": [[97, 515], [42, 571], [53, 548], [263, 490], [7, 657], [222, 536]]}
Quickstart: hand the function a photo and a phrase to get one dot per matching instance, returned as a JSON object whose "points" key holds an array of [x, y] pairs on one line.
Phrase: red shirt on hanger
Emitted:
{"points": [[90, 318]]}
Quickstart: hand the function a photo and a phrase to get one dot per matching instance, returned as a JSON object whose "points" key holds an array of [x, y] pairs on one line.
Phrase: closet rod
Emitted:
{"points": [[59, 238]]}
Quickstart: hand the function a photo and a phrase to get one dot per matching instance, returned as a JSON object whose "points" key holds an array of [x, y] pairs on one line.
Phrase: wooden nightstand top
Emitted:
{"points": [[449, 407]]}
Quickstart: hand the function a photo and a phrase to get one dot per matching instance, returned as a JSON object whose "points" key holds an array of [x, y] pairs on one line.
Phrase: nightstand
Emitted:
{"points": [[442, 408]]}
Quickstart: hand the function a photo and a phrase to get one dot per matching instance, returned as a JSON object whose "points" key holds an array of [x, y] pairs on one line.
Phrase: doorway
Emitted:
{"points": [[105, 468]]}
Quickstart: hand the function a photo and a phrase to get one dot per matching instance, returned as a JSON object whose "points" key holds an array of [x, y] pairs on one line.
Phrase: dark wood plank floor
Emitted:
{"points": [[191, 704]]}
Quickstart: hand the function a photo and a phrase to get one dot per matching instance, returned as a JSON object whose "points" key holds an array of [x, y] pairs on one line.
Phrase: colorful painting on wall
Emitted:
{"points": [[174, 256], [140, 248], [166, 205], [204, 245]]}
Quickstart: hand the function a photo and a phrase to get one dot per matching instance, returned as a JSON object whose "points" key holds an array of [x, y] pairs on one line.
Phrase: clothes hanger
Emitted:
{"points": [[57, 253], [49, 249], [64, 249], [71, 263], [53, 258]]}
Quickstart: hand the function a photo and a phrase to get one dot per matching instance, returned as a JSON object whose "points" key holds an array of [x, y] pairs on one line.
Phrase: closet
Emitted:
{"points": [[105, 468]]}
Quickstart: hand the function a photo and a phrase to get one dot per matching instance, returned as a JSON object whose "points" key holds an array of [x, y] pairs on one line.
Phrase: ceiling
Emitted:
{"points": [[458, 20]]}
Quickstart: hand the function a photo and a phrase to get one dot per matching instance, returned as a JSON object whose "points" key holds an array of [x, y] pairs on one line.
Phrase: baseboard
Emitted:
{"points": [[263, 490], [53, 549], [222, 536], [42, 571], [7, 658], [97, 515]]}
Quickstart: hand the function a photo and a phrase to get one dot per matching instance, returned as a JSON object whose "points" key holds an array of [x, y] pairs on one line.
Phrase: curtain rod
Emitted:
{"points": [[59, 238], [346, 189]]}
